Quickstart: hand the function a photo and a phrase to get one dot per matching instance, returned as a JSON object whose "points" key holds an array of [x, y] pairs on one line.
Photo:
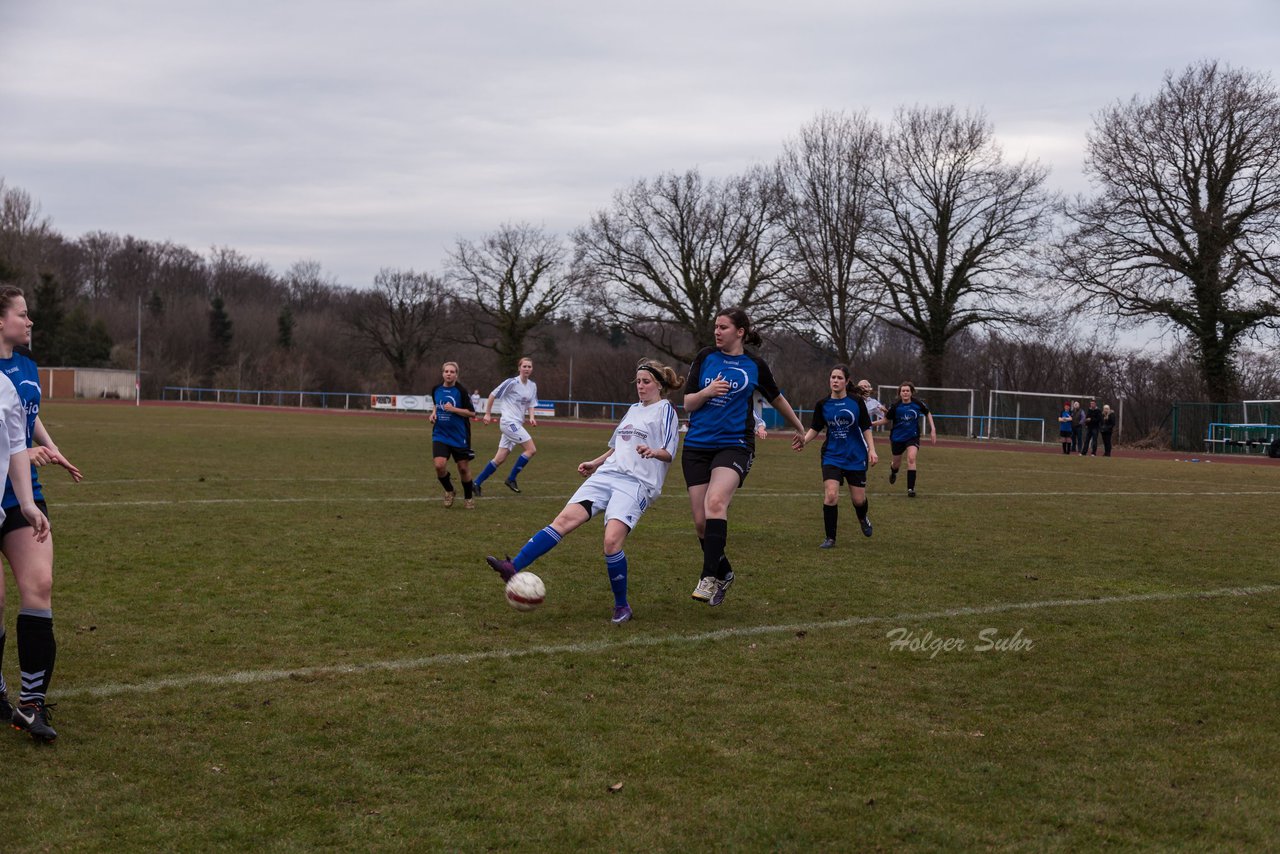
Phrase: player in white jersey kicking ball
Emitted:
{"points": [[518, 396], [621, 483]]}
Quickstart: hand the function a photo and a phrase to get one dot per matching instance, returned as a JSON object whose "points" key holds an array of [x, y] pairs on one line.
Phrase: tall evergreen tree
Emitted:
{"points": [[220, 333]]}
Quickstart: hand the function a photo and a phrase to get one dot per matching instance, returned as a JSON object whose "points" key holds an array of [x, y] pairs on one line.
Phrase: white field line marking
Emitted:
{"points": [[429, 499], [252, 677]]}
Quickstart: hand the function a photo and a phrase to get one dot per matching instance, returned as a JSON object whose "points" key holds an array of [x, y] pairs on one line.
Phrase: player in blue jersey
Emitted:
{"points": [[1066, 424], [905, 416], [847, 451], [621, 483], [518, 396], [720, 444], [24, 533], [451, 435]]}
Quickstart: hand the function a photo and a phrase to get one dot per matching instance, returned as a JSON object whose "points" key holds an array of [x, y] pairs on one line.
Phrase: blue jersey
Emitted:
{"points": [[844, 419], [727, 421], [1064, 427], [451, 428], [906, 419], [22, 372]]}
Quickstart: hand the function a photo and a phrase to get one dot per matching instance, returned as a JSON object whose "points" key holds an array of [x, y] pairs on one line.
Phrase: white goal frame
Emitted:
{"points": [[969, 416], [991, 400], [1245, 408]]}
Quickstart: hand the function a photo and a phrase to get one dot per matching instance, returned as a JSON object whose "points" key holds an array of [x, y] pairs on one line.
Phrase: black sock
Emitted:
{"points": [[861, 509], [36, 653], [830, 513], [466, 489], [717, 534], [2, 639], [446, 482], [725, 566], [911, 478]]}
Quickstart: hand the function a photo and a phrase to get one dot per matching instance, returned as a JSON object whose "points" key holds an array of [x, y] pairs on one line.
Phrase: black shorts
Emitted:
{"points": [[15, 521], [440, 449], [698, 463], [839, 475], [900, 448]]}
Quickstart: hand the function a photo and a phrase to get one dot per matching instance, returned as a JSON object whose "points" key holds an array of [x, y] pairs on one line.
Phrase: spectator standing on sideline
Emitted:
{"points": [[1065, 420], [1107, 425], [1092, 421], [1077, 426]]}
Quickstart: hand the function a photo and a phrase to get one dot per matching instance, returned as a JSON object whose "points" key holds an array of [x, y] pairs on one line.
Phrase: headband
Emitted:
{"points": [[657, 376]]}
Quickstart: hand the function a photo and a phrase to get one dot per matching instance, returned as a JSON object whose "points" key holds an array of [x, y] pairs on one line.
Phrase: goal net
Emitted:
{"points": [[1026, 416], [952, 408], [1261, 412]]}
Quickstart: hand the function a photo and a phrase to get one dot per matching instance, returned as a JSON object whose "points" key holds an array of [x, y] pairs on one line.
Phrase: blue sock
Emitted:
{"points": [[489, 469], [538, 545], [616, 566], [520, 463]]}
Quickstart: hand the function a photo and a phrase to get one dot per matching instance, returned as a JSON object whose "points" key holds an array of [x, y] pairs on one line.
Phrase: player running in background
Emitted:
{"points": [[621, 483], [847, 451], [518, 396], [720, 445], [875, 409], [905, 414], [28, 552], [451, 435]]}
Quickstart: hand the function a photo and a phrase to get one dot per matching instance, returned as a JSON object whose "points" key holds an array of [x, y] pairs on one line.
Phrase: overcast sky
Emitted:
{"points": [[373, 133]]}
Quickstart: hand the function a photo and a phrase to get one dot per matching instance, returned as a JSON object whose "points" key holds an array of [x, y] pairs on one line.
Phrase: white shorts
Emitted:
{"points": [[513, 434], [616, 496]]}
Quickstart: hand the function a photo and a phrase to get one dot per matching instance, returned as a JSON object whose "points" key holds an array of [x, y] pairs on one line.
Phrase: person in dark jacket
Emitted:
{"points": [[1106, 426], [1092, 421]]}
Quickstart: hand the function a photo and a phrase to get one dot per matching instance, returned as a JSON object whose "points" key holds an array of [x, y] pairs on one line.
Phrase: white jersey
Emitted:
{"points": [[875, 409], [655, 425], [516, 398], [15, 421]]}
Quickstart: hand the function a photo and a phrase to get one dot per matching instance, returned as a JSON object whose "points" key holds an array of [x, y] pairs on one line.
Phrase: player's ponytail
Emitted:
{"points": [[739, 318], [666, 376]]}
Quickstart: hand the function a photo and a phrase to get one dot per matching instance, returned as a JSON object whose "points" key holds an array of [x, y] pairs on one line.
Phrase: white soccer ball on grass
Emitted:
{"points": [[525, 591]]}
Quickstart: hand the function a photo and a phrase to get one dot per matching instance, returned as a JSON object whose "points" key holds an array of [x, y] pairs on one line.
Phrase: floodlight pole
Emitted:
{"points": [[137, 364]]}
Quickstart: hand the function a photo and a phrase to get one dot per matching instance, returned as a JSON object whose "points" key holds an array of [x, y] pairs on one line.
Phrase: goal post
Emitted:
{"points": [[952, 408], [1025, 416], [1261, 412]]}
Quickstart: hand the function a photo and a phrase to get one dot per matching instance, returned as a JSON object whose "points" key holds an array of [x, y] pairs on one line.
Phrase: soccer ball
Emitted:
{"points": [[525, 591]]}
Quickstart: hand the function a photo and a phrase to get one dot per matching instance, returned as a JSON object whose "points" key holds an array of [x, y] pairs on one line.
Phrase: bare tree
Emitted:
{"points": [[398, 320], [956, 230], [1184, 229], [514, 279], [25, 237], [674, 250], [826, 176]]}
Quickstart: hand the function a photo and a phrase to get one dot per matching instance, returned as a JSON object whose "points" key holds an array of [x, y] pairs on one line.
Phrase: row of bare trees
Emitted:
{"points": [[919, 232]]}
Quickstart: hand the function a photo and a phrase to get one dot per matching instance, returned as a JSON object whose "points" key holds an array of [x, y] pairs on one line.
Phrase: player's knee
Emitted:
{"points": [[717, 508], [530, 451]]}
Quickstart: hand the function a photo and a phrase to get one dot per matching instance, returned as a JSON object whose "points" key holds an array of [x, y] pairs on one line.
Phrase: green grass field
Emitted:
{"points": [[272, 635]]}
